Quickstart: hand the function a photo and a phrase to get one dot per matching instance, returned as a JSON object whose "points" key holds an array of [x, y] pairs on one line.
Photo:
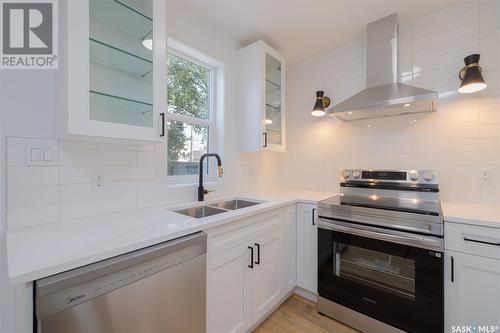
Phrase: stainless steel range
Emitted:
{"points": [[380, 252]]}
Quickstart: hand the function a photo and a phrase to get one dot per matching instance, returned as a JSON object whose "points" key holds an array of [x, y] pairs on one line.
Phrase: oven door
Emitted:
{"points": [[398, 284]]}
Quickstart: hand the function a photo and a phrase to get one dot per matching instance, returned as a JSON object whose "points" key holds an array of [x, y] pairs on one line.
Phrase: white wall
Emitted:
{"points": [[63, 190], [459, 140]]}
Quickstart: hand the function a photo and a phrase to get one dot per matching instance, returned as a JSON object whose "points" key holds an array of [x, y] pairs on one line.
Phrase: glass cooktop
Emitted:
{"points": [[395, 204]]}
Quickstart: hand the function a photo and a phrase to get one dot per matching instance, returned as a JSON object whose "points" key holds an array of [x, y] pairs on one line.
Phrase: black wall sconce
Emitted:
{"points": [[322, 102], [471, 75]]}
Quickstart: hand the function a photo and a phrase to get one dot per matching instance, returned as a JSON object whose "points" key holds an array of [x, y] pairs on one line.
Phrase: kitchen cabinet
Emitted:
{"points": [[289, 250], [246, 270], [228, 291], [266, 282], [307, 247], [116, 70], [261, 99], [472, 279]]}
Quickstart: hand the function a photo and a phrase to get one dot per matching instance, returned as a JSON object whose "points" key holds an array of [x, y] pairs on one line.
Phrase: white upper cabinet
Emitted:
{"points": [[116, 71], [261, 99]]}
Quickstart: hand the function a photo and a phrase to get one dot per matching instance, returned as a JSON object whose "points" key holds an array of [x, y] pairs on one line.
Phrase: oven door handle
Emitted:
{"points": [[433, 243]]}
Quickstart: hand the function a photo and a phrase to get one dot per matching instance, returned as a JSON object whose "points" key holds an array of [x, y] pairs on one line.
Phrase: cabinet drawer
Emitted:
{"points": [[233, 234], [482, 241]]}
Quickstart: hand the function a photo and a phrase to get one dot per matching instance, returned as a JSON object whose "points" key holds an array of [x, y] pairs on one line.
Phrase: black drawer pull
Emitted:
{"points": [[162, 124], [313, 216], [258, 253], [251, 257], [452, 269], [481, 241]]}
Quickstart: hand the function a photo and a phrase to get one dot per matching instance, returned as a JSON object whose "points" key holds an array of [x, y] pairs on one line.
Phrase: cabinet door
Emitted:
{"points": [[116, 68], [307, 247], [274, 101], [289, 250], [229, 291], [472, 290], [266, 279]]}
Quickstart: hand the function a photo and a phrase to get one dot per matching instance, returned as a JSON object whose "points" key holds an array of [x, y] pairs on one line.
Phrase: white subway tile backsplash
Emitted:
{"points": [[79, 175], [32, 176], [33, 215], [81, 209], [83, 192], [83, 157], [32, 196], [134, 177]]}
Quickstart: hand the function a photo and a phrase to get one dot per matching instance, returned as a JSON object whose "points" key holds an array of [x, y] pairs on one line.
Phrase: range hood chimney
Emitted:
{"points": [[384, 96]]}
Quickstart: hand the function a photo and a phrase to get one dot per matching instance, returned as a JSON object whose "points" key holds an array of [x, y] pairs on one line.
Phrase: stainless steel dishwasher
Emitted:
{"points": [[156, 289]]}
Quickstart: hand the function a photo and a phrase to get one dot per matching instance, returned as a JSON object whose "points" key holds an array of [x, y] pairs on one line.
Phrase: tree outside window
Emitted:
{"points": [[189, 111]]}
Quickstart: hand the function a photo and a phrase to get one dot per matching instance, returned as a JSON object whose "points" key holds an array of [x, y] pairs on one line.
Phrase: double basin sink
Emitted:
{"points": [[216, 208]]}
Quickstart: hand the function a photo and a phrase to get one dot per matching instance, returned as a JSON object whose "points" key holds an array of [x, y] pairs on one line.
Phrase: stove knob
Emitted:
{"points": [[346, 173], [356, 174], [428, 176], [413, 176]]}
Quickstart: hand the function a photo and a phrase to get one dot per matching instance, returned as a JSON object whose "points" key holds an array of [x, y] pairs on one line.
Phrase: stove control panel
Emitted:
{"points": [[391, 176]]}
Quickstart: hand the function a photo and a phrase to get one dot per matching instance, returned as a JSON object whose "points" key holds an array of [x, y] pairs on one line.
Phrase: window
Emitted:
{"points": [[190, 114]]}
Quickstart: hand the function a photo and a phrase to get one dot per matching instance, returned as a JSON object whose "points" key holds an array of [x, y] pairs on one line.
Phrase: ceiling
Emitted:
{"points": [[299, 29]]}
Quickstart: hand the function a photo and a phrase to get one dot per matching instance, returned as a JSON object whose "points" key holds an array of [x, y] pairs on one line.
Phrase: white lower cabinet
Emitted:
{"points": [[241, 291], [307, 245], [228, 289], [472, 280], [266, 273], [289, 249]]}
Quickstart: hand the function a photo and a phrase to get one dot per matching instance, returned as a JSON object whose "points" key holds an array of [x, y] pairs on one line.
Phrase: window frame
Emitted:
{"points": [[189, 54]]}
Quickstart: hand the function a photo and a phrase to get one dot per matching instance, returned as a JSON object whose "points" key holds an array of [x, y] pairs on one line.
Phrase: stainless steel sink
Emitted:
{"points": [[200, 211], [216, 208], [234, 204]]}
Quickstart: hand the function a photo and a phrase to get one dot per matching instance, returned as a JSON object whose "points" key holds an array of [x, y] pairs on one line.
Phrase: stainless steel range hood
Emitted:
{"points": [[384, 96]]}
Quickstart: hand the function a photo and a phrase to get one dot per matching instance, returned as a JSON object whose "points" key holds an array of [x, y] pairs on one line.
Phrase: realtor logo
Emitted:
{"points": [[29, 34]]}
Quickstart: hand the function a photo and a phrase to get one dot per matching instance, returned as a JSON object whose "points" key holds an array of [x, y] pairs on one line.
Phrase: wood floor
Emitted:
{"points": [[299, 315]]}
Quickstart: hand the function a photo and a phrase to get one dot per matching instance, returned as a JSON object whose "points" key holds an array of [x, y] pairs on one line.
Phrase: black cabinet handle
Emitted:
{"points": [[265, 139], [162, 116], [481, 241], [452, 269], [251, 257], [313, 215], [258, 253]]}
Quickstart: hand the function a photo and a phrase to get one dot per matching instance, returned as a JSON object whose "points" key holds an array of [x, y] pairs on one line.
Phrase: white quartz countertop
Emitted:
{"points": [[476, 214], [40, 251]]}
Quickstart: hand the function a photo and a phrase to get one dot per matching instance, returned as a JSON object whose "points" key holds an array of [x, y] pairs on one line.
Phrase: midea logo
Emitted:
{"points": [[71, 299]]}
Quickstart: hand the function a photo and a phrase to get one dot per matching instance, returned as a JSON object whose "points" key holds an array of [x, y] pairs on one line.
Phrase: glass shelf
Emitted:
{"points": [[272, 84], [272, 108], [273, 70], [117, 103], [130, 17], [119, 59]]}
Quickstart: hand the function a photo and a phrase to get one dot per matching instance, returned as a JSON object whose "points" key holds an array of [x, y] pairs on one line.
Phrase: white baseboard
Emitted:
{"points": [[313, 297]]}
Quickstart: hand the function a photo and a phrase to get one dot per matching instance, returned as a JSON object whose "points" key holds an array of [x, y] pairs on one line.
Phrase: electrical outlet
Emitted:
{"points": [[98, 181], [486, 177]]}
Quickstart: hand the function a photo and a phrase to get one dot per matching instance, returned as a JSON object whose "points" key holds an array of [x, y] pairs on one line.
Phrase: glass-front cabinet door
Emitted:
{"points": [[117, 83], [273, 119], [261, 99]]}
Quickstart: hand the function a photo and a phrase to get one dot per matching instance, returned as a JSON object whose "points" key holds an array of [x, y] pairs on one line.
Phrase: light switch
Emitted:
{"points": [[47, 155], [36, 154]]}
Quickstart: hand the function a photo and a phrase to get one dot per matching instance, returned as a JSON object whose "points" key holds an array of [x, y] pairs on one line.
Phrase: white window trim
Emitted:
{"points": [[215, 111]]}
